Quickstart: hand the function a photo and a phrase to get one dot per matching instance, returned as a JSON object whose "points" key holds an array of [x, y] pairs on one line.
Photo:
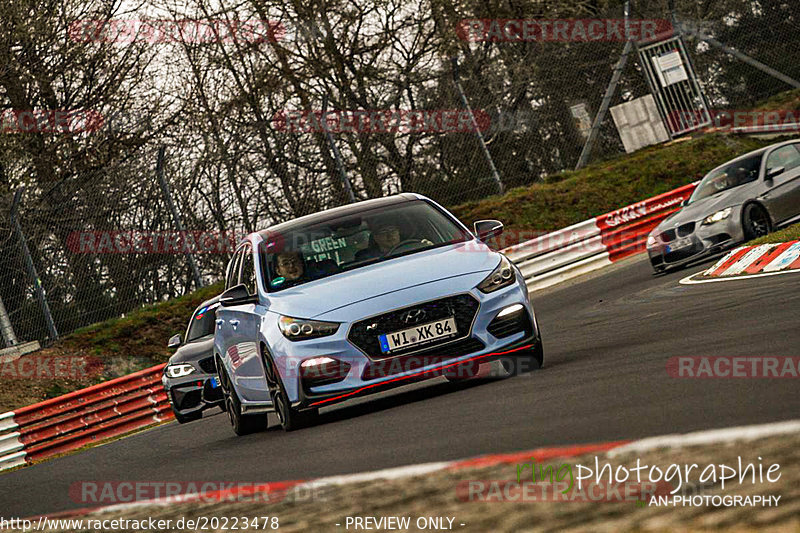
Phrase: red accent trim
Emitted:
{"points": [[539, 454], [416, 374]]}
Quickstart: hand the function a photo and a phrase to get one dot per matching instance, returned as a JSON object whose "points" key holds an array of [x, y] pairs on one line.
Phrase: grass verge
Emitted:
{"points": [[792, 233]]}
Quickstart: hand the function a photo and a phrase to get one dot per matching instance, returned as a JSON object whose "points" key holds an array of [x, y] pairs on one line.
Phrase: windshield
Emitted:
{"points": [[202, 324], [728, 177], [324, 249]]}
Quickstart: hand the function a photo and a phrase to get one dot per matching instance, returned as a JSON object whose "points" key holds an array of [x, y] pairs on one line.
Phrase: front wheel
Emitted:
{"points": [[755, 222], [524, 361], [289, 417], [242, 424]]}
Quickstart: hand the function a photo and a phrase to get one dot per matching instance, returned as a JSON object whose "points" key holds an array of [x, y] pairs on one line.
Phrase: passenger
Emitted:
{"points": [[289, 265]]}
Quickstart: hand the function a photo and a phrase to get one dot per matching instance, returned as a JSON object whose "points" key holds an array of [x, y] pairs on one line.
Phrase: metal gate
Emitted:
{"points": [[673, 83]]}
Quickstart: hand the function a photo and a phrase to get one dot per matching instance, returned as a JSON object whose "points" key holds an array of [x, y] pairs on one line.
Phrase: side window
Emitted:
{"points": [[248, 276], [785, 156], [233, 270]]}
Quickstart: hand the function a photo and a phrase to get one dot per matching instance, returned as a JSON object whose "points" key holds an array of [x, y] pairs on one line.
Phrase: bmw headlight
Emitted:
{"points": [[298, 329], [502, 276], [180, 370], [716, 217], [651, 240]]}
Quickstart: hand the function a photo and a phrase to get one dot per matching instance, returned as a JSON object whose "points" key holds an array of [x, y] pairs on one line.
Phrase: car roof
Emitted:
{"points": [[337, 212], [759, 151]]}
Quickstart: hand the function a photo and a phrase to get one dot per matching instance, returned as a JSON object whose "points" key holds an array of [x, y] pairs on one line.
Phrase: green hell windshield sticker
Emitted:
{"points": [[277, 281]]}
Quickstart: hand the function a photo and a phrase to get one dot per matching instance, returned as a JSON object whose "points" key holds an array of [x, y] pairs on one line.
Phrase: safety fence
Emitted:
{"points": [[83, 417], [594, 243]]}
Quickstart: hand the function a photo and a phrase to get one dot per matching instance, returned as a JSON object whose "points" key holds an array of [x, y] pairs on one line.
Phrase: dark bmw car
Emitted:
{"points": [[190, 377], [736, 202]]}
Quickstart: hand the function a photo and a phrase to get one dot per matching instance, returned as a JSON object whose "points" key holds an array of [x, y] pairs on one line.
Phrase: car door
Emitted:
{"points": [[783, 190], [225, 335], [243, 323]]}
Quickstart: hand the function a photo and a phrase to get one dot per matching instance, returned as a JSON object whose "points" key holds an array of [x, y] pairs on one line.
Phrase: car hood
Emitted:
{"points": [[194, 351], [697, 211], [322, 296]]}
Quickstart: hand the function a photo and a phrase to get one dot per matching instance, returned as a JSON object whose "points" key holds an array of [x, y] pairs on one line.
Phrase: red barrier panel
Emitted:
{"points": [[89, 415]]}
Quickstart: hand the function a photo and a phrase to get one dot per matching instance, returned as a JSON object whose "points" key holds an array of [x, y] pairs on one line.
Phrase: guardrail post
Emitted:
{"points": [[5, 327], [198, 279], [51, 325], [495, 175]]}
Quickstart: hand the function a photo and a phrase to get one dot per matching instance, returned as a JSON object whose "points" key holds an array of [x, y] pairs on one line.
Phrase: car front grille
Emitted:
{"points": [[686, 229], [668, 236], [207, 365], [430, 356], [364, 334]]}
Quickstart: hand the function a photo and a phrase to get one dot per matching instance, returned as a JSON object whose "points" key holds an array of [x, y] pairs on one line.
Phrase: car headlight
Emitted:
{"points": [[502, 276], [651, 241], [298, 329], [178, 371], [716, 217]]}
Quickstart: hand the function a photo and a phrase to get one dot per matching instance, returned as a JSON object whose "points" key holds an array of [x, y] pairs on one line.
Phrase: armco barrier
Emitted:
{"points": [[594, 243], [79, 418], [138, 400]]}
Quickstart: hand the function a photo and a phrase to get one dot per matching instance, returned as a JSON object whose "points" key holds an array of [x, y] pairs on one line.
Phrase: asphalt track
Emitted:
{"points": [[607, 340]]}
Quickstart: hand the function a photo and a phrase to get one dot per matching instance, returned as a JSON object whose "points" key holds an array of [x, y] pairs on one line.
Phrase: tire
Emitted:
{"points": [[184, 419], [525, 361], [755, 222], [242, 424], [290, 418]]}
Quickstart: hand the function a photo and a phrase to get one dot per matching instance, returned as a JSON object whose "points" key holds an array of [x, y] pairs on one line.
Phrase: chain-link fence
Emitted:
{"points": [[95, 232]]}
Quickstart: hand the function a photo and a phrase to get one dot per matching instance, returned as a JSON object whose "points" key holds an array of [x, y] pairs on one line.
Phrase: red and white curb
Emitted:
{"points": [[539, 455], [751, 262]]}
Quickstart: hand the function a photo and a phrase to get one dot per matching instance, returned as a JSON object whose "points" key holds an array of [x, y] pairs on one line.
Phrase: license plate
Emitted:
{"points": [[214, 382], [678, 244], [422, 334]]}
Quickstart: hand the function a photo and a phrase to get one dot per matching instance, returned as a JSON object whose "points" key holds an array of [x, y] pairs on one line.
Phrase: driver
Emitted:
{"points": [[384, 235]]}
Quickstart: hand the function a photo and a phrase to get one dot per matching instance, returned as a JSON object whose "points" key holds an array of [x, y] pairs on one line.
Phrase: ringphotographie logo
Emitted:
{"points": [[381, 121], [561, 30], [160, 31]]}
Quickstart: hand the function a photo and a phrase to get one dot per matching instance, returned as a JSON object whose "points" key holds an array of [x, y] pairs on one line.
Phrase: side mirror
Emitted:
{"points": [[683, 203], [486, 229], [174, 341], [774, 171], [238, 295]]}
